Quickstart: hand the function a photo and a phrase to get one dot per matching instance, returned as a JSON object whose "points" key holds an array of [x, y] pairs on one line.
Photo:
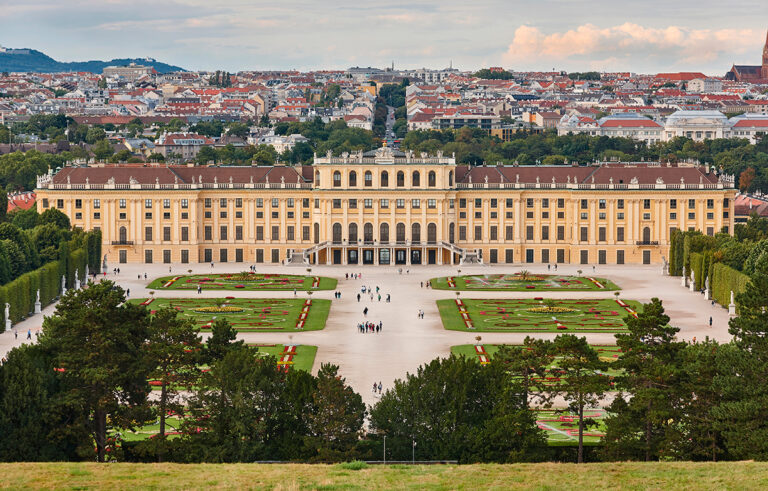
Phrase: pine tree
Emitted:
{"points": [[527, 363], [173, 351], [221, 341], [97, 341]]}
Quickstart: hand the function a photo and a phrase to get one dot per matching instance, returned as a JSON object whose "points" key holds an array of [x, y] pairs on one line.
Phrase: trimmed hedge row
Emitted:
{"points": [[724, 280], [21, 293]]}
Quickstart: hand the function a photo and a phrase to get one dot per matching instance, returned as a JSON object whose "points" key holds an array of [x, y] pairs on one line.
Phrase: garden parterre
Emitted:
{"points": [[522, 281], [534, 315], [249, 314], [243, 281]]}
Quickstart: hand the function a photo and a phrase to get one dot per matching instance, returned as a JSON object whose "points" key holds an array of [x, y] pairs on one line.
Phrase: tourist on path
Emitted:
{"points": [[29, 333]]}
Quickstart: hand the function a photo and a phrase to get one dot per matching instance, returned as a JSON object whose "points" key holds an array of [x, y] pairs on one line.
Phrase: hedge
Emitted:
{"points": [[22, 292], [724, 280], [696, 262]]}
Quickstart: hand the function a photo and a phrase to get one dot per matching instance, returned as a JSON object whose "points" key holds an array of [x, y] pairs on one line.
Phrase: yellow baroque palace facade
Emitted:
{"points": [[389, 207]]}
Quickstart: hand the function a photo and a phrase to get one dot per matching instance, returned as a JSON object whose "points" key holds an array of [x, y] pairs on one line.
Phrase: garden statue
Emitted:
{"points": [[63, 284], [87, 272], [38, 306], [707, 295], [7, 317], [104, 263], [693, 280], [77, 281], [732, 306], [683, 281]]}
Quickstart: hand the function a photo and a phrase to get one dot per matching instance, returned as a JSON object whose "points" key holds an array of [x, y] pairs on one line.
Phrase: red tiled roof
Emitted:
{"points": [[122, 174], [751, 123]]}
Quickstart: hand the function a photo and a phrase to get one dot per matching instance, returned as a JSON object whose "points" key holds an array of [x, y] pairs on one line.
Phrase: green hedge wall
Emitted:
{"points": [[725, 279], [22, 292], [696, 262]]}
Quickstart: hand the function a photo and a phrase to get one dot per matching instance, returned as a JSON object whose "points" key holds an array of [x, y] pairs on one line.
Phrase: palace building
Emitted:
{"points": [[390, 207]]}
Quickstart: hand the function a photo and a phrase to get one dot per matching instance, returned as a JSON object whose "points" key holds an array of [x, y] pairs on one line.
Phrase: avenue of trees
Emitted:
{"points": [[77, 392]]}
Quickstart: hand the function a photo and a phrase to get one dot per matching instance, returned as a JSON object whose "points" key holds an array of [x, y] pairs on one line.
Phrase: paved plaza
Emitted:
{"points": [[407, 341]]}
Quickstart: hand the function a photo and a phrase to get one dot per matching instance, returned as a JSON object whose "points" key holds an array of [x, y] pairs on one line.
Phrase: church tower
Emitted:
{"points": [[764, 71]]}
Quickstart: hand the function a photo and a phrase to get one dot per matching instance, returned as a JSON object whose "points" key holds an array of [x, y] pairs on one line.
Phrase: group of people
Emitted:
{"points": [[366, 290], [354, 276], [420, 314], [429, 284], [370, 327], [377, 386]]}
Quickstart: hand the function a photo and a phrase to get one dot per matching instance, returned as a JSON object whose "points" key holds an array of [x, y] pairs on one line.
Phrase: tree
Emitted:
{"points": [[581, 383], [24, 219], [235, 410], [173, 350], [453, 408], [94, 135], [336, 418], [102, 150], [527, 363], [205, 155], [741, 414], [33, 426], [239, 130], [55, 217], [3, 204], [643, 426], [96, 340], [221, 341]]}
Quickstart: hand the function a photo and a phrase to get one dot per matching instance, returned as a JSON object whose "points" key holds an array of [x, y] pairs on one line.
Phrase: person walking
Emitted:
{"points": [[379, 387], [294, 292], [15, 334], [365, 311], [128, 292], [29, 333], [388, 297], [379, 297], [710, 321], [358, 297]]}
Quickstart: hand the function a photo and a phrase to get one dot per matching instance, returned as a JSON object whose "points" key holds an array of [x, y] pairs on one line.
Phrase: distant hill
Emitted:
{"points": [[30, 60]]}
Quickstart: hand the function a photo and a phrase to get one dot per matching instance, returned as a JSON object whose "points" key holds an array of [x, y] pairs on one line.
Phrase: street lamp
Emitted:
{"points": [[385, 449], [413, 453]]}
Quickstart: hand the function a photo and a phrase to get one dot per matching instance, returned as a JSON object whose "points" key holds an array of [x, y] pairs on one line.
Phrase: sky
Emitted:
{"points": [[642, 36]]}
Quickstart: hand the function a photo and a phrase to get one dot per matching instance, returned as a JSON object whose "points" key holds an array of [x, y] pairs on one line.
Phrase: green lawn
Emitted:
{"points": [[562, 426], [243, 281], [303, 359], [515, 315], [517, 282], [681, 476], [252, 315], [484, 353]]}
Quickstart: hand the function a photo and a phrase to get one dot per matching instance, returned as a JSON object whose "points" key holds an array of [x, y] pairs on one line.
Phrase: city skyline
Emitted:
{"points": [[572, 36]]}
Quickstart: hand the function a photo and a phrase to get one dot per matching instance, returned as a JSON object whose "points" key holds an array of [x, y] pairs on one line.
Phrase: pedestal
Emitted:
{"points": [[692, 286], [683, 282], [77, 284], [38, 307], [732, 310], [7, 324], [707, 296]]}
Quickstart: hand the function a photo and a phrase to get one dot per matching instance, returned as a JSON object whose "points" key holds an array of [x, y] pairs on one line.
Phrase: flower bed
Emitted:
{"points": [[519, 282]]}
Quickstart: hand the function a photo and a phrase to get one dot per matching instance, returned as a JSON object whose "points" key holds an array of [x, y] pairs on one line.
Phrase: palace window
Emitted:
{"points": [[147, 203]]}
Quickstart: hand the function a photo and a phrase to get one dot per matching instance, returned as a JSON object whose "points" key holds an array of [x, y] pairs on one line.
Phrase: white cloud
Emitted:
{"points": [[621, 43]]}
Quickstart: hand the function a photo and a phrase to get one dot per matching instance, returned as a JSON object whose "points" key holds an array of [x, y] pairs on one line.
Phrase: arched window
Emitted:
{"points": [[368, 179], [415, 232], [337, 179], [317, 178], [337, 233], [317, 233], [384, 233], [431, 179], [400, 231], [432, 233], [353, 233], [368, 232], [450, 178], [416, 180], [352, 179], [385, 179], [123, 235], [646, 234], [452, 233], [400, 179]]}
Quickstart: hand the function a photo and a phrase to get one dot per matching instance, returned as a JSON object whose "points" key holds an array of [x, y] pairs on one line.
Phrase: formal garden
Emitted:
{"points": [[523, 281], [243, 281], [561, 427], [248, 314], [536, 314]]}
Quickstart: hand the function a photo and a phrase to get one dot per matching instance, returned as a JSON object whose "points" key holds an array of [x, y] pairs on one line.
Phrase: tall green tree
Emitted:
{"points": [[581, 382], [453, 409], [642, 427], [97, 340], [173, 352], [222, 340], [336, 419], [743, 411], [527, 363]]}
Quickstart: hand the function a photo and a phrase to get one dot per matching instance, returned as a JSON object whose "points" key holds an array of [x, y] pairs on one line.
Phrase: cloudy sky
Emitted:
{"points": [[638, 35]]}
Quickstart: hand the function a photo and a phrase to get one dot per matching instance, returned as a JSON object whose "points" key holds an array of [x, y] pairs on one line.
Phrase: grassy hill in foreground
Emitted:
{"points": [[668, 475]]}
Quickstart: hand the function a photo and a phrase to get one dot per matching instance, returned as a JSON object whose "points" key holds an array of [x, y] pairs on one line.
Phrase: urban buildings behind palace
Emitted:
{"points": [[389, 207], [751, 73]]}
